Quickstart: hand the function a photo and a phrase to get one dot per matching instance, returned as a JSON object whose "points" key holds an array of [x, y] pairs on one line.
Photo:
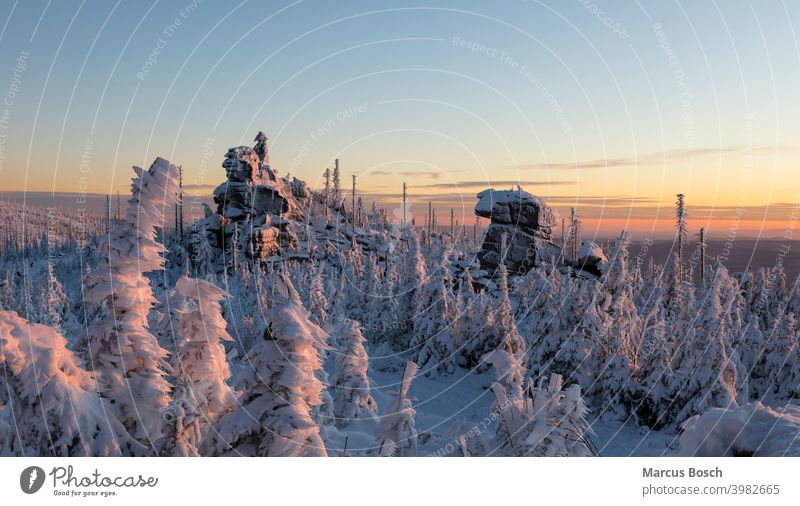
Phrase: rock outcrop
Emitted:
{"points": [[591, 258], [254, 206], [250, 189], [524, 223]]}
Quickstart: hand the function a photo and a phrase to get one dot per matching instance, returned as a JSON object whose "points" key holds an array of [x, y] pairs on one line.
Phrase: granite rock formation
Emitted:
{"points": [[254, 206], [520, 231]]}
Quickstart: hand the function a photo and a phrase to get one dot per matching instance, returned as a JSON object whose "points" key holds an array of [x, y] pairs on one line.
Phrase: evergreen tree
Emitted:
{"points": [[750, 347], [616, 352], [336, 195], [654, 373], [782, 359], [568, 348], [433, 342], [681, 236], [318, 303], [551, 423], [496, 330], [411, 289], [124, 354], [398, 433], [56, 305], [352, 399], [559, 427], [202, 257], [50, 401], [705, 376], [279, 387], [201, 395]]}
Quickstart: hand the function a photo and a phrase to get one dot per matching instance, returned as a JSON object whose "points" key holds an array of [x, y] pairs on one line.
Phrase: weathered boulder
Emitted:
{"points": [[525, 223], [591, 258]]}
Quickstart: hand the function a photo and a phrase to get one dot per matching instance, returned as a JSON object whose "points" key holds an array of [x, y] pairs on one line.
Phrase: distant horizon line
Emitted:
{"points": [[771, 233]]}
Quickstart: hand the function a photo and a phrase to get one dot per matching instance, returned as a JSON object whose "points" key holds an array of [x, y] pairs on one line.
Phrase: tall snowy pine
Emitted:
{"points": [[125, 356], [398, 433], [352, 399], [279, 387], [201, 395]]}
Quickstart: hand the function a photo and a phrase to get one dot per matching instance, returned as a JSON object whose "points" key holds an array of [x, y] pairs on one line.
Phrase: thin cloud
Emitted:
{"points": [[199, 186], [407, 173], [662, 157], [600, 200], [496, 184]]}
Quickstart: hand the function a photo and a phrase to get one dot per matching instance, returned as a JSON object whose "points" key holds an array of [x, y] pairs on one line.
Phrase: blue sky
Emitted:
{"points": [[698, 97]]}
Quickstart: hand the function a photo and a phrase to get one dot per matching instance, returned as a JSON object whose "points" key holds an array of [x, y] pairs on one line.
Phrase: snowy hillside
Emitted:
{"points": [[292, 321]]}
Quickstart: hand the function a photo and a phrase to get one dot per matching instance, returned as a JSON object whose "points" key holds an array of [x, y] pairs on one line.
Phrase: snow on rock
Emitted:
{"points": [[525, 222], [251, 203], [590, 250], [250, 189], [750, 430], [591, 257], [515, 207]]}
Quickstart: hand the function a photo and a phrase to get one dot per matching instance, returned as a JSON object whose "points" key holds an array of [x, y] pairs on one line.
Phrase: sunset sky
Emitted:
{"points": [[610, 107]]}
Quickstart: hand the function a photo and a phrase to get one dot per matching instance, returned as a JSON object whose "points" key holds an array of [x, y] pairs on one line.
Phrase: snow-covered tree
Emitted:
{"points": [[433, 342], [749, 346], [470, 332], [534, 314], [398, 433], [6, 435], [201, 395], [379, 305], [336, 194], [202, 256], [121, 350], [704, 374], [50, 400], [510, 338], [681, 236], [782, 358], [513, 422], [509, 371], [616, 352], [559, 425], [318, 302], [411, 289], [778, 294], [496, 327], [56, 305], [279, 387], [654, 374], [568, 347], [352, 399], [551, 423]]}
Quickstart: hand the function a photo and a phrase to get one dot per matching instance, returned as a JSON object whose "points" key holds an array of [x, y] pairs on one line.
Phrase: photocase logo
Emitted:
{"points": [[31, 479]]}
